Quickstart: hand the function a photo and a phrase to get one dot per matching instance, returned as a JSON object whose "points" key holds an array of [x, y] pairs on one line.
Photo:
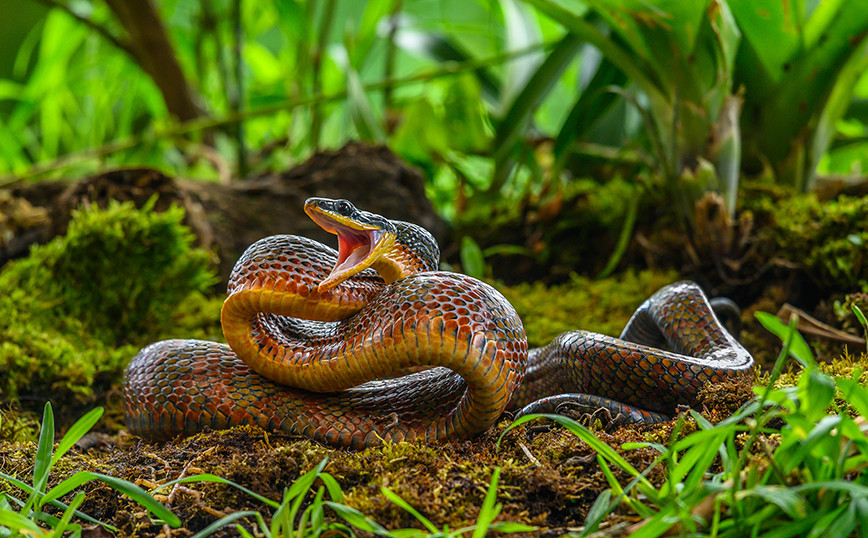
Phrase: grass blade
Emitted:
{"points": [[784, 498], [44, 447], [514, 123], [395, 498], [623, 58], [472, 258], [207, 477], [367, 125], [17, 523], [76, 432], [129, 489], [303, 483], [623, 238], [595, 100], [29, 489], [67, 515], [355, 518], [798, 348], [861, 317], [521, 109], [225, 520], [600, 509], [332, 486], [855, 394], [488, 511], [509, 527], [42, 464], [585, 435], [281, 519]]}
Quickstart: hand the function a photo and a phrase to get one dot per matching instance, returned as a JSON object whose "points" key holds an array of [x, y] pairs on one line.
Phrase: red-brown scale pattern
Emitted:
{"points": [[425, 319], [462, 328], [638, 382]]}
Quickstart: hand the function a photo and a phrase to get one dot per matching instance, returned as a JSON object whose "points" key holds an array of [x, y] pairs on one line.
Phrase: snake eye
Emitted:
{"points": [[343, 207]]}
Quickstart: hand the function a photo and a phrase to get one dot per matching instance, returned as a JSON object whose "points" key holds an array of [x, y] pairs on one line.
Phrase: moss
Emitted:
{"points": [[844, 365], [119, 272], [447, 484], [17, 426], [41, 362], [549, 236], [827, 238], [602, 306], [76, 309]]}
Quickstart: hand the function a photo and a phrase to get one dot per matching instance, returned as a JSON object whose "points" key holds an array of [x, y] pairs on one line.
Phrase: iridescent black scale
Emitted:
{"points": [[418, 241]]}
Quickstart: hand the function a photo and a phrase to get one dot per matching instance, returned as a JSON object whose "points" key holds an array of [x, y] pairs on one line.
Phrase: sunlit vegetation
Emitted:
{"points": [[583, 152]]}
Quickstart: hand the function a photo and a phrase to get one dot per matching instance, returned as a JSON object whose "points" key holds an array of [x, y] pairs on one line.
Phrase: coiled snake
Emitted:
{"points": [[373, 343]]}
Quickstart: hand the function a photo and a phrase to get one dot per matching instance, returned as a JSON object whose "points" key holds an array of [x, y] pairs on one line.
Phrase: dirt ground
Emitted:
{"points": [[549, 478]]}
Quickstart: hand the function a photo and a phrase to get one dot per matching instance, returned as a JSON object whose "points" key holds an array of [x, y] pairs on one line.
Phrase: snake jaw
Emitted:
{"points": [[364, 239], [357, 250]]}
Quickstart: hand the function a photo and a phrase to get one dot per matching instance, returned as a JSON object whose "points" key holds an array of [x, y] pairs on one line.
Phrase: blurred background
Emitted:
{"points": [[577, 155], [488, 98]]}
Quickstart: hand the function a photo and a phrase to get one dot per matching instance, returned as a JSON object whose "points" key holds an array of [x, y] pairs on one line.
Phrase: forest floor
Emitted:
{"points": [[549, 478]]}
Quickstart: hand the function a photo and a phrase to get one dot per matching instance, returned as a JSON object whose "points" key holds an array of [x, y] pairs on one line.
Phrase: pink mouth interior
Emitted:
{"points": [[354, 247]]}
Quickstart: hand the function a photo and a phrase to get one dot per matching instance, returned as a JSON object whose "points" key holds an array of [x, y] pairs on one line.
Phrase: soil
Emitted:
{"points": [[549, 477]]}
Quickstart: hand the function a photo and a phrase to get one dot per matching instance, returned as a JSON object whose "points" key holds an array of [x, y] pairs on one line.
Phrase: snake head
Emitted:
{"points": [[363, 238]]}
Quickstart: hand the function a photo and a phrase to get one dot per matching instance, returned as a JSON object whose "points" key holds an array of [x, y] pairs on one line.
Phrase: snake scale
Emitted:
{"points": [[372, 343]]}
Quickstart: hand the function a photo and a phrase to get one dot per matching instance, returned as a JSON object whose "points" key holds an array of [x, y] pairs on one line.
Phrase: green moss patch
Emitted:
{"points": [[602, 306], [828, 238], [78, 308]]}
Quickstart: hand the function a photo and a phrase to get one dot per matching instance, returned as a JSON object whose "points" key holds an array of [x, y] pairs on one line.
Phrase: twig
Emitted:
{"points": [[529, 455]]}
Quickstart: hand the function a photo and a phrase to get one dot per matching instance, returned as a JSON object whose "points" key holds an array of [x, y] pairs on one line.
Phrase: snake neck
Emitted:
{"points": [[415, 251]]}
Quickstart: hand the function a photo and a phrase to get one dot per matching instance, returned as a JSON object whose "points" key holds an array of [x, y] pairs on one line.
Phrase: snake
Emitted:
{"points": [[372, 343]]}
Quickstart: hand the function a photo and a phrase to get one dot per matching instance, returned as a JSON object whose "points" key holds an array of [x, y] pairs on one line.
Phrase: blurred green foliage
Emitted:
{"points": [[576, 232], [490, 98], [828, 238]]}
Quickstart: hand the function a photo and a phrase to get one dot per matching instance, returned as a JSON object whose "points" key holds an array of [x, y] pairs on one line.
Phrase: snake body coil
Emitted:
{"points": [[371, 343]]}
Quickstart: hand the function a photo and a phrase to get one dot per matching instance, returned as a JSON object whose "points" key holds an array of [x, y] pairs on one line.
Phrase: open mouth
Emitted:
{"points": [[357, 246]]}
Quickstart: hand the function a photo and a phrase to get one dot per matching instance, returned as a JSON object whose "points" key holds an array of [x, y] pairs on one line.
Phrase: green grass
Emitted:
{"points": [[288, 519], [315, 490], [788, 463], [31, 510]]}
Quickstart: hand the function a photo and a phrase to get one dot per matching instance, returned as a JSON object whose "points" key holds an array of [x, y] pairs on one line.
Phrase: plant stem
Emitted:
{"points": [[155, 55]]}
